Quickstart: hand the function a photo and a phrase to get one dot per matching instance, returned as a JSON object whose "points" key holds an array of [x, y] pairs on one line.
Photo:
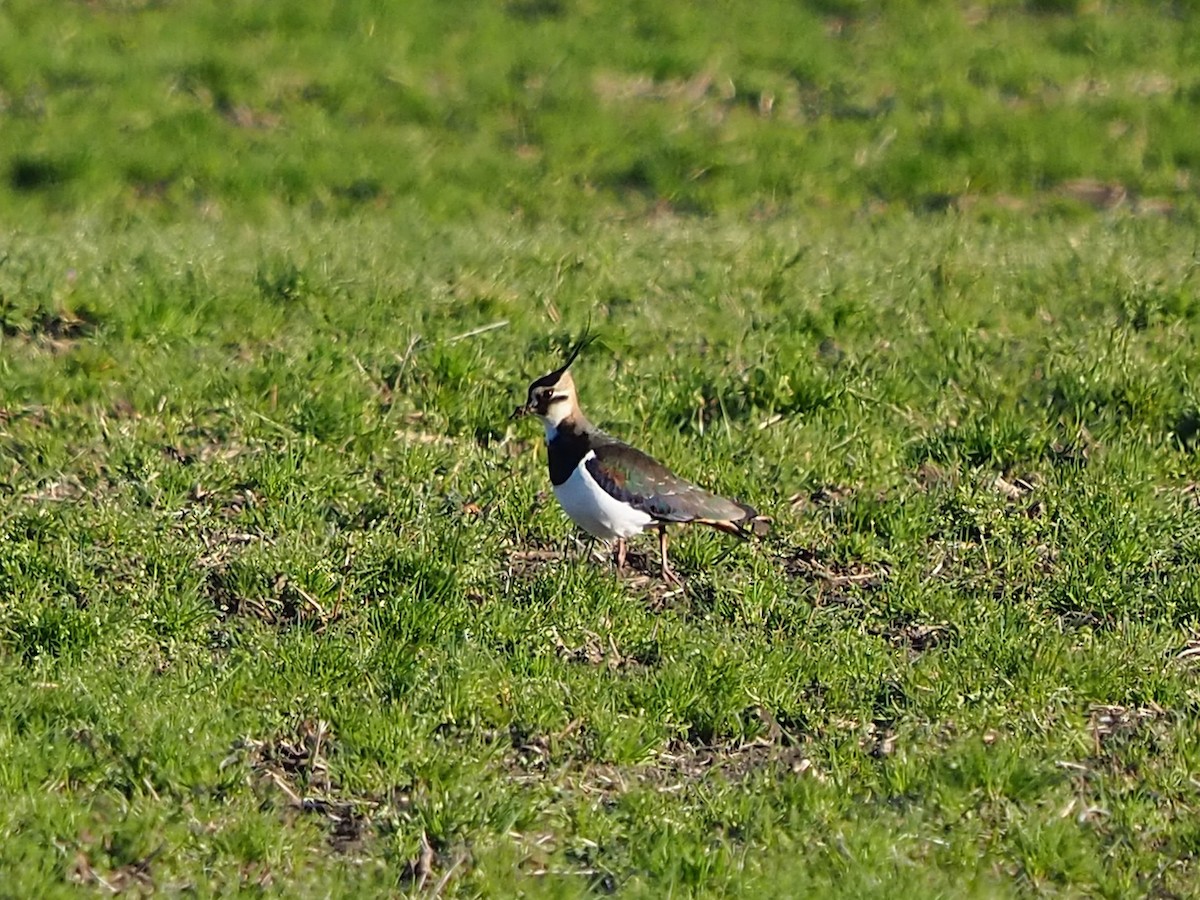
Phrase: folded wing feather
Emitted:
{"points": [[646, 484]]}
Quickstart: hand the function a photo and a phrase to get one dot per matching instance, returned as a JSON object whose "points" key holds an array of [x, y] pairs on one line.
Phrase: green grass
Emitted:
{"points": [[560, 108], [286, 605]]}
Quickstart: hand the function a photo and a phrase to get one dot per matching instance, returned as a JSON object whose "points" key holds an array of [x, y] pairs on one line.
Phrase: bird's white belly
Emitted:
{"points": [[595, 510]]}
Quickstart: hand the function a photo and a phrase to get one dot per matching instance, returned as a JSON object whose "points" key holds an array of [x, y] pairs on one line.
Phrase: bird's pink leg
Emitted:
{"points": [[668, 575]]}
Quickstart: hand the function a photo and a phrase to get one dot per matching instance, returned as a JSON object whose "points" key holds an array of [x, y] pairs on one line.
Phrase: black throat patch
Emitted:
{"points": [[564, 454]]}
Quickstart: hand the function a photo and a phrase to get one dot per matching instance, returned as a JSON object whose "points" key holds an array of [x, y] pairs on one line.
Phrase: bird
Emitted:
{"points": [[614, 491]]}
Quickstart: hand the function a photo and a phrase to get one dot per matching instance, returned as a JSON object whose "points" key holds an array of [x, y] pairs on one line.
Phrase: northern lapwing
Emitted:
{"points": [[614, 491]]}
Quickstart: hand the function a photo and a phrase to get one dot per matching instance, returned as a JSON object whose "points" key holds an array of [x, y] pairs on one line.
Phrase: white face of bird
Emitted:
{"points": [[551, 398]]}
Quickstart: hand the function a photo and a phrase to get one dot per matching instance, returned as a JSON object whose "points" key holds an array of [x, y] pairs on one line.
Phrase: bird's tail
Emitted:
{"points": [[759, 526], [748, 524]]}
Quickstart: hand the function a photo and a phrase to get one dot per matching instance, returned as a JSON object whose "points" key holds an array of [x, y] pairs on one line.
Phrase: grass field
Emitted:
{"points": [[286, 604]]}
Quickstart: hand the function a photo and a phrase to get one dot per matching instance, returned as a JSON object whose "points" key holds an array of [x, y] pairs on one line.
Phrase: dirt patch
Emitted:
{"points": [[235, 583], [804, 564], [917, 637], [1101, 196], [274, 600], [293, 765], [611, 87], [65, 488], [826, 495], [681, 766], [599, 651], [931, 476], [33, 415], [535, 760], [878, 739], [55, 329], [641, 575], [1074, 452], [296, 765], [1021, 494], [1114, 725], [133, 876], [525, 563], [243, 116], [1124, 738], [236, 587], [1190, 654], [205, 447], [735, 763], [1012, 490]]}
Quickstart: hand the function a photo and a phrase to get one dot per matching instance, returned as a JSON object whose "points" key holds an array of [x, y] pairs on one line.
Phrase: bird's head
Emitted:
{"points": [[552, 397]]}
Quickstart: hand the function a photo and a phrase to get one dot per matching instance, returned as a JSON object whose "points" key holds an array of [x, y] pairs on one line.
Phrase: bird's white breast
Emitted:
{"points": [[594, 509]]}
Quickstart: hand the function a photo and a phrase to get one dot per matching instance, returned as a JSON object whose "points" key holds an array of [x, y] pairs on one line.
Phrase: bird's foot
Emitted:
{"points": [[669, 576]]}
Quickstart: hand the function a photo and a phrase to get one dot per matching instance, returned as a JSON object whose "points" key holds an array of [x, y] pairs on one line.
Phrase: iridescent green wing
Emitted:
{"points": [[646, 484]]}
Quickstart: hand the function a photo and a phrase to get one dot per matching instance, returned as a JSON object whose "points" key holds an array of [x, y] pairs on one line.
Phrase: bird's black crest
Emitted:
{"points": [[584, 341]]}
